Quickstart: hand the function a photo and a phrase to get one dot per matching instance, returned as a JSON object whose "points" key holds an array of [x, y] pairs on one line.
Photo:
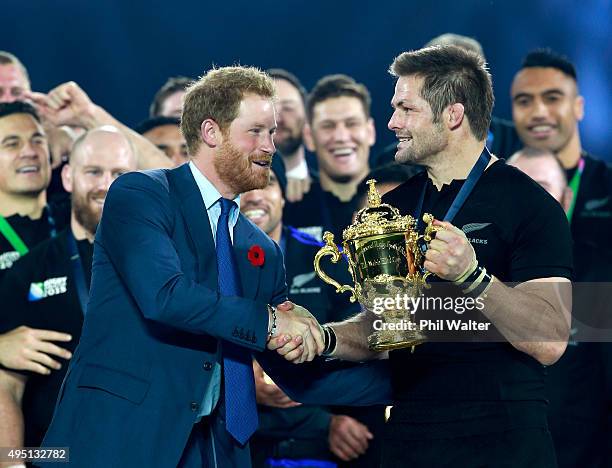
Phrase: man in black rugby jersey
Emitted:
{"points": [[341, 132], [547, 108], [26, 219], [502, 139], [48, 288], [471, 403]]}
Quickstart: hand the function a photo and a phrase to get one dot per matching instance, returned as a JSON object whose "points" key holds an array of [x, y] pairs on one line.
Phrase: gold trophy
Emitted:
{"points": [[385, 261]]}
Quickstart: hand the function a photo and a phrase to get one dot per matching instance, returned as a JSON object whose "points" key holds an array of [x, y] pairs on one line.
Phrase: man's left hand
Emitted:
{"points": [[450, 254]]}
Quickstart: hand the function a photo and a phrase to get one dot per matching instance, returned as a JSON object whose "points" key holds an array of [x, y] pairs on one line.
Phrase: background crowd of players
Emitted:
{"points": [[59, 153]]}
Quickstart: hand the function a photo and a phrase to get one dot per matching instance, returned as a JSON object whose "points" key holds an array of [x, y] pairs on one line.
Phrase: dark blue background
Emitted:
{"points": [[120, 52]]}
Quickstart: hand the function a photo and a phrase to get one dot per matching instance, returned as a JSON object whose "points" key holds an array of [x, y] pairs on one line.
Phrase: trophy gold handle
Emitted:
{"points": [[331, 249], [430, 229]]}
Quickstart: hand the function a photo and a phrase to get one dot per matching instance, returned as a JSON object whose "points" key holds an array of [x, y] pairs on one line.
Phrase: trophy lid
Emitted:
{"points": [[377, 218]]}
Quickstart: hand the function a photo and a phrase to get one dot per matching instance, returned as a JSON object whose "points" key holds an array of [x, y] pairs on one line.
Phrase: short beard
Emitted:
{"points": [[235, 170], [290, 145], [429, 145], [84, 214]]}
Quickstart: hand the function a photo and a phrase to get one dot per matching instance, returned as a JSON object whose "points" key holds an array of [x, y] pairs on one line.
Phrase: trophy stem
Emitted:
{"points": [[385, 340]]}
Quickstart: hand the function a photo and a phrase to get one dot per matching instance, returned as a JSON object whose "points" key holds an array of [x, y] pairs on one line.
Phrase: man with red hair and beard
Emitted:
{"points": [[184, 289], [48, 287]]}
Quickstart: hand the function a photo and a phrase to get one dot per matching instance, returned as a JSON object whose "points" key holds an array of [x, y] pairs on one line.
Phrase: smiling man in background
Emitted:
{"points": [[547, 107], [48, 289], [341, 132]]}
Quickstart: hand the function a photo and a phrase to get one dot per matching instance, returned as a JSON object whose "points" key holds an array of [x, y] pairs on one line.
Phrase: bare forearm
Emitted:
{"points": [[534, 317], [11, 421], [149, 156], [352, 339]]}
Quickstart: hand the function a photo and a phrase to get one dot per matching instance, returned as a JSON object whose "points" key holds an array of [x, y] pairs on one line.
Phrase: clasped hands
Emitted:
{"points": [[299, 337]]}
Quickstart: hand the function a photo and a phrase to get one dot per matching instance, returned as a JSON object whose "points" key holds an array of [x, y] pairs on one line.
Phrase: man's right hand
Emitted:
{"points": [[348, 438], [66, 104], [299, 337], [28, 349]]}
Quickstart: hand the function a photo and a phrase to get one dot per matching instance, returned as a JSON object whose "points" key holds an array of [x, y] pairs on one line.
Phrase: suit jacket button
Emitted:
{"points": [[207, 366], [194, 406]]}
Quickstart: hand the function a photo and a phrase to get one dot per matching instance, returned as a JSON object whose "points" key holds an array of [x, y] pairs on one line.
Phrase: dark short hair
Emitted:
{"points": [[547, 58], [18, 107], [171, 86], [389, 173], [334, 86], [451, 75], [6, 58], [282, 74], [154, 122]]}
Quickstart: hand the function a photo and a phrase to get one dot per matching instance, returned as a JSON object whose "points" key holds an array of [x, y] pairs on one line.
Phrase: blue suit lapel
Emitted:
{"points": [[192, 206], [249, 274]]}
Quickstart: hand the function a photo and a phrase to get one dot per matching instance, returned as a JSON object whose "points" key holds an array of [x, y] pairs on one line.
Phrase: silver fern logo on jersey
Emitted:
{"points": [[473, 227]]}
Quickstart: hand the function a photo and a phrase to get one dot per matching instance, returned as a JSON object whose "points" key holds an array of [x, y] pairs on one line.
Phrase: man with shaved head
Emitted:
{"points": [[543, 167], [14, 79], [48, 288]]}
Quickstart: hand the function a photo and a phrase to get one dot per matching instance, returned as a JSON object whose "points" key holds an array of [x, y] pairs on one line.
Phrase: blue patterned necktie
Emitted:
{"points": [[240, 405]]}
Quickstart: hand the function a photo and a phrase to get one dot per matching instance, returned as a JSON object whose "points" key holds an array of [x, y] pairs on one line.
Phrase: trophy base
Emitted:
{"points": [[388, 340]]}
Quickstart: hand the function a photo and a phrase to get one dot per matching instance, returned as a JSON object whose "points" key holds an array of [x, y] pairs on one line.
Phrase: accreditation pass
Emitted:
{"points": [[33, 454]]}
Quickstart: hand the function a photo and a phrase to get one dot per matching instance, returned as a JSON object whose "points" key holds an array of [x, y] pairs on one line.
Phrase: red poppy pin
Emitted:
{"points": [[256, 256]]}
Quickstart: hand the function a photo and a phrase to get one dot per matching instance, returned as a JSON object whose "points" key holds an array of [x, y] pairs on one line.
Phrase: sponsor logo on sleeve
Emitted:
{"points": [[47, 288]]}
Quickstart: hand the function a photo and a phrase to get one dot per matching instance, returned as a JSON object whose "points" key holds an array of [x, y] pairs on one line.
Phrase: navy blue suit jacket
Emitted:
{"points": [[154, 320]]}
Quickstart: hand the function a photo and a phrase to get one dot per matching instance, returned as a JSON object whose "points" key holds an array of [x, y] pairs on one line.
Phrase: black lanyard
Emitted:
{"points": [[464, 193], [77, 271], [51, 222]]}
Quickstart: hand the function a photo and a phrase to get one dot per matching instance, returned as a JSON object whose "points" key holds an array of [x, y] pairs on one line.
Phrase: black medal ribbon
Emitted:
{"points": [[77, 271], [469, 184]]}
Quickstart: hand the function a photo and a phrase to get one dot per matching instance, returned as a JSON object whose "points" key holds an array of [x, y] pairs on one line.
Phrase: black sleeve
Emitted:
{"points": [[303, 422], [542, 246], [14, 288], [16, 310]]}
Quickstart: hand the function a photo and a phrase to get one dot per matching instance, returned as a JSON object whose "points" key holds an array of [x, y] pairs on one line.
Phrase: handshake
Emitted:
{"points": [[297, 336]]}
